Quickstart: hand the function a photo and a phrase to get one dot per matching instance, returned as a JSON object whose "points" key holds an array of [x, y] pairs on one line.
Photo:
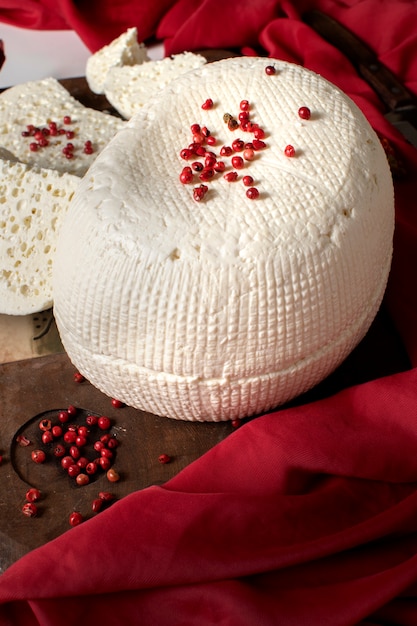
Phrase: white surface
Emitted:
{"points": [[45, 100], [129, 87], [230, 307], [32, 55], [29, 225], [124, 50]]}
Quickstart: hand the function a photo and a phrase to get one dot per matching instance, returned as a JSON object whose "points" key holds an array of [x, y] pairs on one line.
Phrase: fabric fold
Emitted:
{"points": [[274, 511]]}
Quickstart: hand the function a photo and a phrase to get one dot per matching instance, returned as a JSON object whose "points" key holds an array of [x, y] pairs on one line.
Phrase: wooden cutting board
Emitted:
{"points": [[35, 388]]}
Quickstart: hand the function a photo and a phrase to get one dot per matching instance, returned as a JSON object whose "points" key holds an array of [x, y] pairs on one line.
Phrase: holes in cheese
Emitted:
{"points": [[32, 205], [32, 104]]}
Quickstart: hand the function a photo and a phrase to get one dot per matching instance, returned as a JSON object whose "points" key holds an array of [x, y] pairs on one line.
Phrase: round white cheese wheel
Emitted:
{"points": [[229, 306]]}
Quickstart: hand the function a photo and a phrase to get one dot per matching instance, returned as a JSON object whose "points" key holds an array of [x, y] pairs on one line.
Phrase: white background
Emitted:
{"points": [[33, 55]]}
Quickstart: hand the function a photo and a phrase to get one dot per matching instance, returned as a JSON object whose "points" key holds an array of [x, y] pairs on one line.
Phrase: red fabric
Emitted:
{"points": [[305, 516], [309, 517]]}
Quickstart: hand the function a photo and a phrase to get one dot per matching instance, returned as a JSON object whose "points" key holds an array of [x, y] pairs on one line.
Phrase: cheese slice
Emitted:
{"points": [[125, 50], [37, 103], [32, 205], [229, 306], [127, 88]]}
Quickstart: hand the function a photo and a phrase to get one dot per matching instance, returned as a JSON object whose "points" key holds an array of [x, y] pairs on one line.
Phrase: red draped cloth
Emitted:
{"points": [[307, 516]]}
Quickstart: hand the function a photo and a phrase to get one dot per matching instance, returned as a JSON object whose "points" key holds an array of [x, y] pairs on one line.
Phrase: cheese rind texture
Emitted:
{"points": [[125, 50], [228, 307], [42, 101], [129, 87], [32, 205]]}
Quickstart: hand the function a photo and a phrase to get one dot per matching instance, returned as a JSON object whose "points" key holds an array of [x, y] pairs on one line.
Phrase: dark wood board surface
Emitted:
{"points": [[35, 388]]}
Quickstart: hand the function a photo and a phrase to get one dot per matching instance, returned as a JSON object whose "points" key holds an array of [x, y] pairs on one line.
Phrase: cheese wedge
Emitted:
{"points": [[125, 50], [127, 88], [33, 202], [233, 304], [40, 102]]}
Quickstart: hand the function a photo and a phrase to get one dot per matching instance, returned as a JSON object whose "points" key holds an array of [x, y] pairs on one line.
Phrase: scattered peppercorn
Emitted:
{"points": [[30, 509], [75, 518], [164, 458], [33, 494], [112, 475], [208, 104], [304, 113], [42, 136]]}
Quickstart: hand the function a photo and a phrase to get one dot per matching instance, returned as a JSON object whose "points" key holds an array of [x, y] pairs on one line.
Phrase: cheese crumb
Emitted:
{"points": [[128, 88], [125, 50]]}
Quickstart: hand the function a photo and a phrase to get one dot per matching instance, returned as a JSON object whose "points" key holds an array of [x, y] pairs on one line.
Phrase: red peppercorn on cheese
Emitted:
{"points": [[191, 298], [128, 87], [125, 50], [33, 202], [39, 119]]}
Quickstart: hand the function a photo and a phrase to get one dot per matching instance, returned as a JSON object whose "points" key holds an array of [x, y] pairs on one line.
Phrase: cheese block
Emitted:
{"points": [[38, 103], [127, 88], [196, 297], [32, 205], [125, 50]]}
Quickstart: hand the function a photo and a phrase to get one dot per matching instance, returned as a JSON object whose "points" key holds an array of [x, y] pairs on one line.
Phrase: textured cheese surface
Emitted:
{"points": [[32, 205], [127, 88], [227, 307], [39, 102], [125, 50]]}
